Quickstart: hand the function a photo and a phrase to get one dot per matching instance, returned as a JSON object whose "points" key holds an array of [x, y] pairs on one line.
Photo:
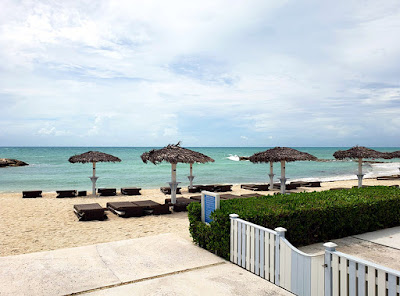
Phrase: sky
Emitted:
{"points": [[207, 73]]}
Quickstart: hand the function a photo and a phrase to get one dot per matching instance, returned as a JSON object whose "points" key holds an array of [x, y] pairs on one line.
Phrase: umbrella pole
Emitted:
{"points": [[173, 185], [94, 179], [191, 177], [360, 174], [283, 179], [271, 175]]}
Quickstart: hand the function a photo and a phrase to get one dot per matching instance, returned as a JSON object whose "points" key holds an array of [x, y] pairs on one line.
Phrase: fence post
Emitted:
{"points": [[233, 217], [329, 248], [280, 232]]}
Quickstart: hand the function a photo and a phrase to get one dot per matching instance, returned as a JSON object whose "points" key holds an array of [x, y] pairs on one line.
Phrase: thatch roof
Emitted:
{"points": [[93, 156], [359, 152], [394, 154], [175, 154], [281, 153]]}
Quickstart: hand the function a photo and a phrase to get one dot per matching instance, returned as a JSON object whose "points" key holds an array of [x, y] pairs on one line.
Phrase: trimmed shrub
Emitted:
{"points": [[309, 217]]}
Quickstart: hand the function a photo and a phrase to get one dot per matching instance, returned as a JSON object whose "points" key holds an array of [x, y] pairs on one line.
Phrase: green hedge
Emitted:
{"points": [[309, 217]]}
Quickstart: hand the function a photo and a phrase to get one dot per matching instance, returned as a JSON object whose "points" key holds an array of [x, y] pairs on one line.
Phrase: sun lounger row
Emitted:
{"points": [[94, 211], [211, 188], [124, 191], [74, 193]]}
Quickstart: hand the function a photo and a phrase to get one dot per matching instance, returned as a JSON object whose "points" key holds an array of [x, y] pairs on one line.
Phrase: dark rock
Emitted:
{"points": [[5, 162]]}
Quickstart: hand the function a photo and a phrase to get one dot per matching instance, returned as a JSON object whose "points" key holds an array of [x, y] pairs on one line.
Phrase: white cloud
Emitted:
{"points": [[144, 71]]}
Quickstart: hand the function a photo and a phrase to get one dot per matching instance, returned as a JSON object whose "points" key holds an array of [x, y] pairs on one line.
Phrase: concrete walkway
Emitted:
{"points": [[163, 265], [381, 247]]}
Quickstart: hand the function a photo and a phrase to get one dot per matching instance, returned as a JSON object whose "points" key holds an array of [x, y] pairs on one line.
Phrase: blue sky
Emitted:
{"points": [[208, 73]]}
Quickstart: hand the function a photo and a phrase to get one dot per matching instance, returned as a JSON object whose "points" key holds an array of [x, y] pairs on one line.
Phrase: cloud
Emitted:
{"points": [[142, 73]]}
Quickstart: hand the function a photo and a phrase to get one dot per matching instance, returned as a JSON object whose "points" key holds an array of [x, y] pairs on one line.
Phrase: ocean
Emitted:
{"points": [[49, 169]]}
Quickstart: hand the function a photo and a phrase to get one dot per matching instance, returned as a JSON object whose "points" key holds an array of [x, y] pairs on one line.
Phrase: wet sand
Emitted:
{"points": [[48, 223]]}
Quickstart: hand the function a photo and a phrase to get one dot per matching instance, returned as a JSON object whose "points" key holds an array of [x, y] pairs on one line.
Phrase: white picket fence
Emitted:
{"points": [[270, 255]]}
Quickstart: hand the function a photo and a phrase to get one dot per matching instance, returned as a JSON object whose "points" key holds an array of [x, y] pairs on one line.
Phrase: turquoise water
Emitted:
{"points": [[49, 169]]}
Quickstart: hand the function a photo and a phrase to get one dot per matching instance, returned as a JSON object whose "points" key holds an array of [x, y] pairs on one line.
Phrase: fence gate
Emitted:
{"points": [[270, 255]]}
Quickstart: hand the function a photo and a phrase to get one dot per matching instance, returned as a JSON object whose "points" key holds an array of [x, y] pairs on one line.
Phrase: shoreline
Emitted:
{"points": [[48, 223]]}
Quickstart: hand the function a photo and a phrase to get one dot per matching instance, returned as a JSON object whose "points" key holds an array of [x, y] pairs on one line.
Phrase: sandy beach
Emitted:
{"points": [[48, 223]]}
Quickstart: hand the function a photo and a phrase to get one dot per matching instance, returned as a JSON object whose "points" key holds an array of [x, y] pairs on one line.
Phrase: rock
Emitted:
{"points": [[5, 162]]}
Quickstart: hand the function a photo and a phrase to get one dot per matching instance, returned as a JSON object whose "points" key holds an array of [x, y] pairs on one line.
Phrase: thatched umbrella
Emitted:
{"points": [[93, 157], [283, 155], [360, 152], [174, 154]]}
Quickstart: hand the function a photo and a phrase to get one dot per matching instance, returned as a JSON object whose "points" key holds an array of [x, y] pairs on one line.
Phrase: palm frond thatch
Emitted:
{"points": [[357, 152], [93, 156], [281, 153], [394, 154], [174, 154]]}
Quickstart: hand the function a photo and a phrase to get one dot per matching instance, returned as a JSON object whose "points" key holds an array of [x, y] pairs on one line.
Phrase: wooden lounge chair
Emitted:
{"points": [[66, 193], [107, 191], [314, 184], [130, 191], [299, 183], [31, 194], [205, 187], [82, 193], [152, 207], [194, 189], [181, 203], [86, 212], [395, 177], [250, 195], [167, 190], [125, 209], [222, 188], [229, 196], [255, 187]]}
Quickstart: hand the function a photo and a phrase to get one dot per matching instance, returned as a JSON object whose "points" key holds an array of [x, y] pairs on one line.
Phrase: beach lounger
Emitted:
{"points": [[181, 203], [395, 177], [66, 193], [82, 193], [130, 191], [228, 196], [250, 195], [299, 183], [152, 207], [125, 209], [107, 191], [87, 212], [222, 188], [167, 190], [194, 189], [314, 184], [31, 194], [255, 187], [205, 187]]}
